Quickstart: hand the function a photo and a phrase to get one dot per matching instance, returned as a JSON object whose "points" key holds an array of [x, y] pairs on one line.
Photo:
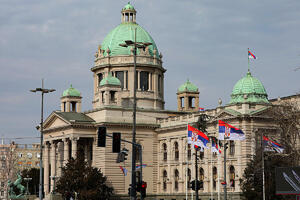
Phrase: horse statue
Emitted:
{"points": [[16, 184]]}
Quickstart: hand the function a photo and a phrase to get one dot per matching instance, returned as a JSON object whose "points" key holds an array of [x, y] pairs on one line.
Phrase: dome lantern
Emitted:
{"points": [[128, 14]]}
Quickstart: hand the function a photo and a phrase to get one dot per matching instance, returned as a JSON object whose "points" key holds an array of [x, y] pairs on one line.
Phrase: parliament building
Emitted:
{"points": [[169, 159]]}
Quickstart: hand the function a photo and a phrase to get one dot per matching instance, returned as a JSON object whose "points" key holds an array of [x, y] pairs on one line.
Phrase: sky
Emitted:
{"points": [[204, 41]]}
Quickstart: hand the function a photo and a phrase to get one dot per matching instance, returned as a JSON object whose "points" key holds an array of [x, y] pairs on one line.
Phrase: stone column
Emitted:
{"points": [[46, 168], [149, 81], [74, 147], [125, 80], [53, 163], [86, 150], [138, 80], [66, 150], [60, 155]]}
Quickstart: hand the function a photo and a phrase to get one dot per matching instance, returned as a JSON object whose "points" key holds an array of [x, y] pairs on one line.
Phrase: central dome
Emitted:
{"points": [[249, 89], [125, 31]]}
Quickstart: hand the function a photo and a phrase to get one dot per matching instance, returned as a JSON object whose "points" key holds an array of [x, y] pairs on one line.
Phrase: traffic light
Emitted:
{"points": [[116, 145], [199, 184], [101, 136], [143, 189], [122, 155], [129, 189]]}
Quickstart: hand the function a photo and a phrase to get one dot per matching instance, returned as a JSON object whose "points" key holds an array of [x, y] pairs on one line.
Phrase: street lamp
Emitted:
{"points": [[135, 45], [27, 179], [43, 91]]}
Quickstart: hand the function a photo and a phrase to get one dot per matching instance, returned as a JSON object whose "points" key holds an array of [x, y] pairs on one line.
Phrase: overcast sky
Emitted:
{"points": [[204, 41]]}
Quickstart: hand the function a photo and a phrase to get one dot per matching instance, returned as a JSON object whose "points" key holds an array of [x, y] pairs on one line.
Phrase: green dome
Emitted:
{"points": [[71, 92], [110, 80], [188, 87], [250, 90], [125, 31], [128, 7]]}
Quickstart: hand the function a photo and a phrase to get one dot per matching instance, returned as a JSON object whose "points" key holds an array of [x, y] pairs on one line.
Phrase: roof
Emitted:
{"points": [[249, 90], [128, 7], [73, 116], [71, 92], [110, 80], [188, 87]]}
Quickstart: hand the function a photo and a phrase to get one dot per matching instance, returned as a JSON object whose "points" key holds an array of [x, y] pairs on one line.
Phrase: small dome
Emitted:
{"points": [[250, 90], [110, 80], [188, 87], [71, 92], [128, 7]]}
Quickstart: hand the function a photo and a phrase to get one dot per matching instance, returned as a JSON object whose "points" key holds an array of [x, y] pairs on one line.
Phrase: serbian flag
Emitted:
{"points": [[228, 132], [214, 146], [139, 166], [201, 109], [271, 145], [197, 138], [251, 55], [124, 170]]}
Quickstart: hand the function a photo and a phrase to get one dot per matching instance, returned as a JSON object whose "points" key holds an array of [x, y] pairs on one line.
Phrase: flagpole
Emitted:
{"points": [[248, 61], [263, 165], [211, 181], [186, 175]]}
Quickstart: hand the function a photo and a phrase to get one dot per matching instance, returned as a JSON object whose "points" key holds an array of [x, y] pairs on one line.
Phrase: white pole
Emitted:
{"points": [[219, 169], [211, 179], [263, 166], [186, 170]]}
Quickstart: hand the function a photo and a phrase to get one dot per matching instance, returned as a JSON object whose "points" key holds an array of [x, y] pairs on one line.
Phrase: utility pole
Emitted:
{"points": [[135, 46], [43, 91]]}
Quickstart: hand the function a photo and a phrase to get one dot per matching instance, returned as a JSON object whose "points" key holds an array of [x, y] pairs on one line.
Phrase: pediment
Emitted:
{"points": [[262, 112], [227, 113], [54, 121]]}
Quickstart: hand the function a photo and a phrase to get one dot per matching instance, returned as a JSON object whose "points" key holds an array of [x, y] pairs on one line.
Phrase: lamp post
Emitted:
{"points": [[135, 46], [43, 91], [27, 179]]}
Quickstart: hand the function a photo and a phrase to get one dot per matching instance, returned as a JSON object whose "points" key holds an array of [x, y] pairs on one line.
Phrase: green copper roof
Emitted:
{"points": [[128, 7], [249, 89], [125, 31], [188, 87], [71, 92], [110, 80]]}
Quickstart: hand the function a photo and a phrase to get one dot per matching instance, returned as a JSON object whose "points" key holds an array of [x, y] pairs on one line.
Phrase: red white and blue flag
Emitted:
{"points": [[197, 138], [251, 55], [214, 146], [271, 145], [228, 132], [201, 109], [124, 170]]}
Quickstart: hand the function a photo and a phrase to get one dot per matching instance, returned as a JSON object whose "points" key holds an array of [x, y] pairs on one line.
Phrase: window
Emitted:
{"points": [[2, 193], [73, 106], [165, 177], [191, 102], [231, 148], [176, 173], [176, 149], [2, 184], [38, 155], [20, 155], [102, 96], [144, 81], [100, 77], [201, 154], [165, 153], [201, 172], [113, 96], [3, 165], [215, 173], [120, 76], [232, 176], [159, 83], [64, 106], [29, 164], [37, 163], [189, 152]]}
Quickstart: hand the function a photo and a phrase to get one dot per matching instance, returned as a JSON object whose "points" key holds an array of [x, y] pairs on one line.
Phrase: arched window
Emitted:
{"points": [[232, 176], [189, 152], [165, 152], [176, 178], [215, 174], [201, 177], [176, 150], [231, 148], [100, 77], [189, 176], [165, 178]]}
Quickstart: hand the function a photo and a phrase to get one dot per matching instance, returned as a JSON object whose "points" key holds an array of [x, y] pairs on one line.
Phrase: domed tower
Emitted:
{"points": [[117, 60], [249, 90], [71, 100], [110, 88], [188, 97]]}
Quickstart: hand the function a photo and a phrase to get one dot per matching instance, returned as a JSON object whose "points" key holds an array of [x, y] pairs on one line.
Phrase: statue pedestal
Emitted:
{"points": [[29, 197]]}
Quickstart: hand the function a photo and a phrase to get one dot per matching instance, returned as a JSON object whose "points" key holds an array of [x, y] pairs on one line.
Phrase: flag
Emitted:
{"points": [[214, 146], [201, 109], [270, 145], [124, 170], [196, 137], [139, 166], [251, 55], [228, 132]]}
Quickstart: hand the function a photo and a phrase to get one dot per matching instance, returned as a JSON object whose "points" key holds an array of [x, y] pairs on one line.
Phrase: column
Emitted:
{"points": [[59, 158], [46, 168], [66, 151], [125, 80], [74, 147], [149, 81], [90, 148], [138, 80], [181, 169], [86, 150], [53, 163]]}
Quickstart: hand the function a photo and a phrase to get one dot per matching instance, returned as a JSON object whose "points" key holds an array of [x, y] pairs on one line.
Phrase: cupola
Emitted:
{"points": [[71, 100], [109, 89], [128, 14], [188, 97]]}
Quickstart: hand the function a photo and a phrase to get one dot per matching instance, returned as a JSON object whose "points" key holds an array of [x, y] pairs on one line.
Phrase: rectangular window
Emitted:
{"points": [[100, 77], [159, 83], [120, 76], [144, 81]]}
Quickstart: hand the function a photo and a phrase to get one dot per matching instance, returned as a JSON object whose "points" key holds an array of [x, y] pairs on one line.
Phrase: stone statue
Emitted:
{"points": [[20, 188]]}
